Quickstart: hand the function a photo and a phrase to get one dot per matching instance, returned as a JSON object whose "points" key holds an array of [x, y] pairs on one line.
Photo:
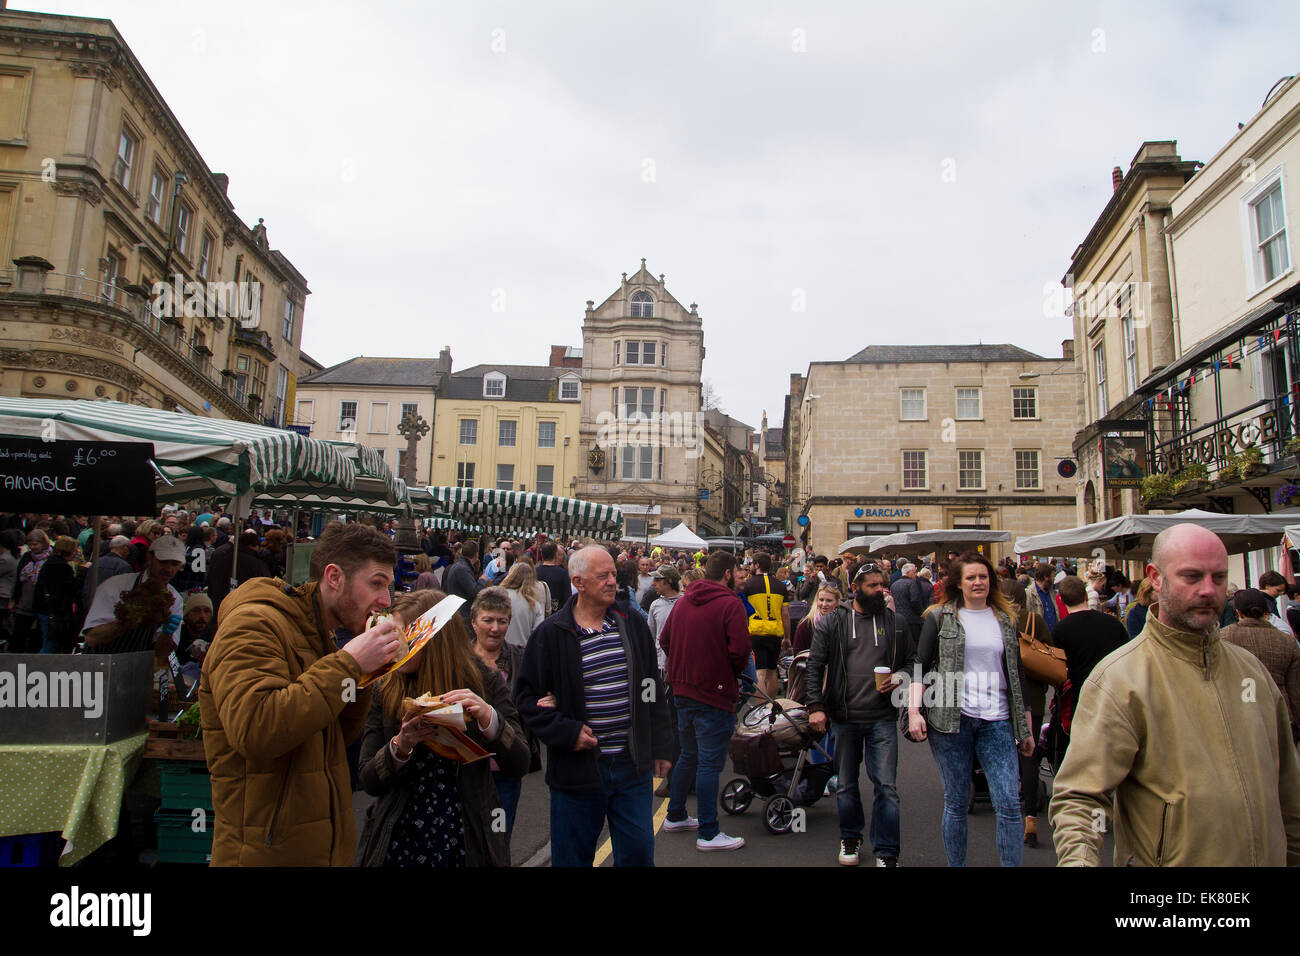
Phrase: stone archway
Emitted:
{"points": [[1089, 503]]}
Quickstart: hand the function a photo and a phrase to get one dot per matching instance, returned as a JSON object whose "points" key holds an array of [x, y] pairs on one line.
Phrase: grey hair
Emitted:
{"points": [[907, 568], [579, 560]]}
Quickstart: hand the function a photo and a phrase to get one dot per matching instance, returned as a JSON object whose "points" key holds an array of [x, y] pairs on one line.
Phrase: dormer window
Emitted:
{"points": [[643, 305], [494, 385], [569, 391]]}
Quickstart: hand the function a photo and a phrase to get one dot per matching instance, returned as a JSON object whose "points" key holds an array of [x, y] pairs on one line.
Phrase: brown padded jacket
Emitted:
{"points": [[279, 706]]}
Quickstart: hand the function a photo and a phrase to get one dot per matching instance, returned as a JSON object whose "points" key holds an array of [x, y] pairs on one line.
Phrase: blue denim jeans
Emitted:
{"points": [[748, 678], [993, 742], [877, 741], [624, 798], [704, 733], [508, 790]]}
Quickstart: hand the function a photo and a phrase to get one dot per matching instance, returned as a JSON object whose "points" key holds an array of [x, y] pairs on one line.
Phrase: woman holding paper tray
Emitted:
{"points": [[434, 811]]}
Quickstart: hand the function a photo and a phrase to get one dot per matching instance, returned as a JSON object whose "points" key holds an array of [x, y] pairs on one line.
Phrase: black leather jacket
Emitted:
{"points": [[825, 684]]}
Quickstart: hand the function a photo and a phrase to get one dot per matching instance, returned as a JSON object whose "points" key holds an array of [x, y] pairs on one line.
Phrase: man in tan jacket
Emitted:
{"points": [[280, 703], [1187, 733]]}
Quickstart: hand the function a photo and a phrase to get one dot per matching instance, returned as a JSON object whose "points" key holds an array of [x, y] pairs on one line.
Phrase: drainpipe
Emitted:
{"points": [[1173, 286]]}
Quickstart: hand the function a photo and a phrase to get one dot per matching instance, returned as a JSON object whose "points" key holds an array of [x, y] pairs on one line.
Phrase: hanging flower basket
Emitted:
{"points": [[1286, 494]]}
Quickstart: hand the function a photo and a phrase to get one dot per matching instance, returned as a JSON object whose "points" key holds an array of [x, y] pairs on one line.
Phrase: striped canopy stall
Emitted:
{"points": [[526, 513], [208, 457]]}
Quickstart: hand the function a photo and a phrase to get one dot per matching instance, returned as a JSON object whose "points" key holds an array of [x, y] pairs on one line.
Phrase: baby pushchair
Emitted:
{"points": [[772, 750]]}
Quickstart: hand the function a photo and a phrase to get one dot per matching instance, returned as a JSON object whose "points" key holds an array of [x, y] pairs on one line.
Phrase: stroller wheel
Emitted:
{"points": [[778, 814], [736, 796]]}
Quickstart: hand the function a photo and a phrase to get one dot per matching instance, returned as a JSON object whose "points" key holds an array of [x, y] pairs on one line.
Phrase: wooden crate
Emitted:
{"points": [[166, 741]]}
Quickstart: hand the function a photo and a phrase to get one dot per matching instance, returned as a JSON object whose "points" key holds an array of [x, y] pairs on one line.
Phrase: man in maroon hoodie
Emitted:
{"points": [[706, 639]]}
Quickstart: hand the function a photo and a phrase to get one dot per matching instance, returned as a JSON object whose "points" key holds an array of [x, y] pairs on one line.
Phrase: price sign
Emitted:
{"points": [[76, 477]]}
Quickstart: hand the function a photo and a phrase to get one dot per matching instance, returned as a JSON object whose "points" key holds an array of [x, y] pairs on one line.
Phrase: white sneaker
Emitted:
{"points": [[690, 823], [720, 842]]}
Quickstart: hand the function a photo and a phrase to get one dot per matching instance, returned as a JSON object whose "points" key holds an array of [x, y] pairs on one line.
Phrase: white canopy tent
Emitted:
{"points": [[923, 541], [679, 537], [1129, 537]]}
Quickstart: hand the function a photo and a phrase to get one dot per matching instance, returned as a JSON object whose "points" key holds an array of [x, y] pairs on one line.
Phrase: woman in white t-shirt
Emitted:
{"points": [[974, 703]]}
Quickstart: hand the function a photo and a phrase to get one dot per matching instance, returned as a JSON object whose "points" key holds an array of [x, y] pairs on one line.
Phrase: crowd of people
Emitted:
{"points": [[630, 663]]}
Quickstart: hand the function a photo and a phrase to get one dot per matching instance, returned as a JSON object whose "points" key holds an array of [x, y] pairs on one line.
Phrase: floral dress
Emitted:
{"points": [[431, 830]]}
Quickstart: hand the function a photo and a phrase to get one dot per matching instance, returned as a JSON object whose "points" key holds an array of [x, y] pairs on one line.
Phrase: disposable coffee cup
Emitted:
{"points": [[883, 676]]}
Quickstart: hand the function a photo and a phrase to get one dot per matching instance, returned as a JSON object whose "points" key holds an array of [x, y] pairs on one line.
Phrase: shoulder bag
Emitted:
{"points": [[1041, 662]]}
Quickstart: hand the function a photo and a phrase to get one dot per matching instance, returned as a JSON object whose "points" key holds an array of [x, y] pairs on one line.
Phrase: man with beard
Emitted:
{"points": [[196, 635], [280, 703], [847, 647], [1181, 734]]}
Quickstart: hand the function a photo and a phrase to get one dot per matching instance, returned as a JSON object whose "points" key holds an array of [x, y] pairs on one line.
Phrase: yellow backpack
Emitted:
{"points": [[766, 619]]}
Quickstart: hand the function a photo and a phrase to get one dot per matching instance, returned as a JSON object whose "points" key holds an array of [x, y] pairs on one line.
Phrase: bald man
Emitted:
{"points": [[1188, 733]]}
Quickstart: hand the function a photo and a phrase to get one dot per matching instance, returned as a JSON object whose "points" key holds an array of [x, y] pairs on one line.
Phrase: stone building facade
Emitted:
{"points": [[510, 427], [1121, 309], [103, 196], [900, 438], [642, 353]]}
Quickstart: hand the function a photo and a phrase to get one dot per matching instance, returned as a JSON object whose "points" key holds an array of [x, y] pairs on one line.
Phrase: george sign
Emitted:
{"points": [[77, 477], [1220, 445], [788, 542]]}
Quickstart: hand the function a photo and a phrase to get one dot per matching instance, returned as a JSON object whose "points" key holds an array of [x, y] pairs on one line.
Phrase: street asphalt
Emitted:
{"points": [[921, 802]]}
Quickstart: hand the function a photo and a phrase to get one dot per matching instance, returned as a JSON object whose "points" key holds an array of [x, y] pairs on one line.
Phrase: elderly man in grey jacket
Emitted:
{"points": [[909, 600]]}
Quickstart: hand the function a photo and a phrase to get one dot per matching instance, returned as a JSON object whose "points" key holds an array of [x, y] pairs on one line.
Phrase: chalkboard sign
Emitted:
{"points": [[76, 477]]}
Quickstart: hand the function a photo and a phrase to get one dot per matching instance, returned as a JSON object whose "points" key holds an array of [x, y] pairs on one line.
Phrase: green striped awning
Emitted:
{"points": [[526, 513], [201, 457]]}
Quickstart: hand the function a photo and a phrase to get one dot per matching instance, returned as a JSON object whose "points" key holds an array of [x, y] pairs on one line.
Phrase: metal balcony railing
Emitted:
{"points": [[140, 310]]}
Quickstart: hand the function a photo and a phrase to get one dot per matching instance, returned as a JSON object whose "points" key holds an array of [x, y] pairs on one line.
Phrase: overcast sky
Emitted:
{"points": [[903, 173]]}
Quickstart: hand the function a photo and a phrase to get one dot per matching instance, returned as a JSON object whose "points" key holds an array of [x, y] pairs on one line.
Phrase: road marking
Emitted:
{"points": [[661, 814]]}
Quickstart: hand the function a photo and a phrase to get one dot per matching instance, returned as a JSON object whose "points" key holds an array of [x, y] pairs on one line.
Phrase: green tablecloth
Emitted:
{"points": [[75, 789]]}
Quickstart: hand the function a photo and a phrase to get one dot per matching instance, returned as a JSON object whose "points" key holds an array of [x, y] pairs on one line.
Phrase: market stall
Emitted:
{"points": [[521, 514], [185, 458], [936, 541], [1129, 537], [679, 537]]}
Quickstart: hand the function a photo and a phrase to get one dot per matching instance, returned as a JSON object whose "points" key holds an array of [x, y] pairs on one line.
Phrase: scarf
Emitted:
{"points": [[33, 567]]}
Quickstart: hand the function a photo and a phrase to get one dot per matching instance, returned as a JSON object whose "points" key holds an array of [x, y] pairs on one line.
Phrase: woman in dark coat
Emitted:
{"points": [[272, 553], [22, 605], [193, 575], [433, 811], [491, 616], [56, 597]]}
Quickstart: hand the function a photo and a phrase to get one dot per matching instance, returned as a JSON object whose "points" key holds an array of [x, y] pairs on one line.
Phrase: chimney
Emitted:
{"points": [[557, 356], [1116, 177], [1067, 350], [444, 361], [223, 182]]}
